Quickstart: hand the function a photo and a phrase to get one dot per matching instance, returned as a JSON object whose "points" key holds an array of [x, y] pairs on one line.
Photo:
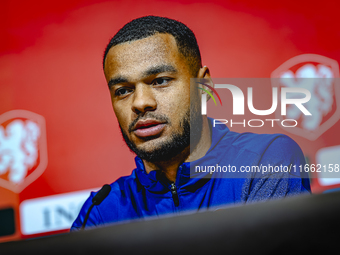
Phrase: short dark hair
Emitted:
{"points": [[150, 25]]}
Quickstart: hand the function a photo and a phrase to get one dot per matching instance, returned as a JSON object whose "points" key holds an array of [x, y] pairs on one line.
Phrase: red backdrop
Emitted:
{"points": [[51, 65]]}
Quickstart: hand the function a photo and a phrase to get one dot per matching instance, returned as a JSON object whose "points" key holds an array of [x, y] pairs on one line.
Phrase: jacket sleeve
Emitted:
{"points": [[280, 174]]}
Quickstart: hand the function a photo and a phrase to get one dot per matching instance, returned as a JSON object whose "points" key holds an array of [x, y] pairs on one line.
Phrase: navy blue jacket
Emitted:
{"points": [[142, 195]]}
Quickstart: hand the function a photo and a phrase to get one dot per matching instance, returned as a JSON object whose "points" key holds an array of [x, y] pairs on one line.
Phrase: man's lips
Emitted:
{"points": [[145, 128]]}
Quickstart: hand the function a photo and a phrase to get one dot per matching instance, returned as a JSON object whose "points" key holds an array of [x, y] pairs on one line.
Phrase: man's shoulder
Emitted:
{"points": [[121, 190], [259, 143], [124, 183], [115, 207]]}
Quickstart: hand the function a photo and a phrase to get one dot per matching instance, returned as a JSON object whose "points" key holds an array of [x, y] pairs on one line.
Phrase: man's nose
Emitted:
{"points": [[144, 99]]}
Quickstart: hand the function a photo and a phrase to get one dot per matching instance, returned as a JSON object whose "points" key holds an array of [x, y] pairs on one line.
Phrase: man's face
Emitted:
{"points": [[149, 83]]}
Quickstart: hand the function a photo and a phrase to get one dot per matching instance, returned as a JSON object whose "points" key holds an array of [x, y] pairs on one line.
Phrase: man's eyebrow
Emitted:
{"points": [[149, 72], [117, 80], [160, 69]]}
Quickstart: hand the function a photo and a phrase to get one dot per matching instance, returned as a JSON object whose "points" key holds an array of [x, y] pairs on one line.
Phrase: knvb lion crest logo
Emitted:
{"points": [[23, 149], [320, 76]]}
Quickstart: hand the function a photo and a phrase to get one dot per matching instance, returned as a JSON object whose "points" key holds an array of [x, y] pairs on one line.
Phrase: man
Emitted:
{"points": [[148, 65]]}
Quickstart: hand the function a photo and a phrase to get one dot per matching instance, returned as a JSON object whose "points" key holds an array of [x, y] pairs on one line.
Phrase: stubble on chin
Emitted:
{"points": [[168, 149]]}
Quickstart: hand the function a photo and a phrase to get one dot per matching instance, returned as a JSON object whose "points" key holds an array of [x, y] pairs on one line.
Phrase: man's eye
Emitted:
{"points": [[161, 81], [122, 91]]}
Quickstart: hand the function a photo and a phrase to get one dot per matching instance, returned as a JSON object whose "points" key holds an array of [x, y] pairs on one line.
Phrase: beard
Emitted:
{"points": [[188, 135]]}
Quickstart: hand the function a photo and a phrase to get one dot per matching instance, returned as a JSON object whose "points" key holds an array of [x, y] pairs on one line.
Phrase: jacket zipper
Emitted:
{"points": [[174, 194]]}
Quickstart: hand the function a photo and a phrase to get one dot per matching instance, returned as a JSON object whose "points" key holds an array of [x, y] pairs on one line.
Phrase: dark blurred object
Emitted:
{"points": [[293, 225], [7, 224]]}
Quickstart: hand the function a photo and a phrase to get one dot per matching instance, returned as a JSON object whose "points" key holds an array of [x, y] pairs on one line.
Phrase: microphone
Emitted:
{"points": [[96, 200]]}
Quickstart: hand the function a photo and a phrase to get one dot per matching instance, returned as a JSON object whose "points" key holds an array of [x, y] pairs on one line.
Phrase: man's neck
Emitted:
{"points": [[170, 167]]}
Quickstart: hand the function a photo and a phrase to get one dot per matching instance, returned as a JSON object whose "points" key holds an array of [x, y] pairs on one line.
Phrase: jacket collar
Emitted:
{"points": [[156, 182]]}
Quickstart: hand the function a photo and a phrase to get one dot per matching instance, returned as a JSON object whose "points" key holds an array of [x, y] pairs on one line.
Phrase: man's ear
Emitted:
{"points": [[204, 76]]}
